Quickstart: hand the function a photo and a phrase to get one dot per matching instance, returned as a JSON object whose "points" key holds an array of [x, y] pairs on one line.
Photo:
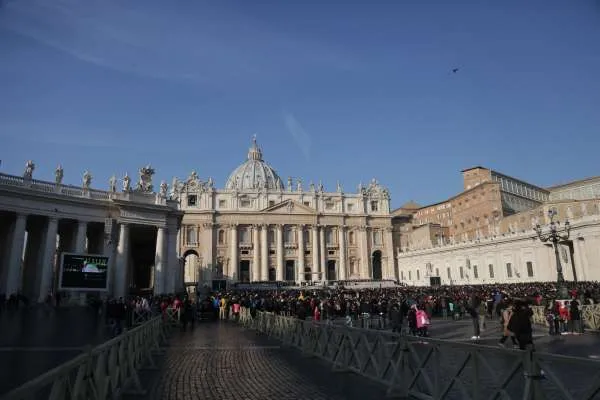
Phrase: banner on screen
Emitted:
{"points": [[83, 272]]}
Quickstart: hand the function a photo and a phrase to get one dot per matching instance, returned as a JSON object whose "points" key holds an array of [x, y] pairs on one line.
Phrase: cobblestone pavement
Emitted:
{"points": [[224, 361], [36, 340]]}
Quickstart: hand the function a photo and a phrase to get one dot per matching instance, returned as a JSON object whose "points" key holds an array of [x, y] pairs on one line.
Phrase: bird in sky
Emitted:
{"points": [[455, 70]]}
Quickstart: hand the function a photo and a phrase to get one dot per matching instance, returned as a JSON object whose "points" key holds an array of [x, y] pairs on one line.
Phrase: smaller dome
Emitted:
{"points": [[255, 173]]}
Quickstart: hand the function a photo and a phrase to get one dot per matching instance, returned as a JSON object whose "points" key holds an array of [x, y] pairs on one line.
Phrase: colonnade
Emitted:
{"points": [[30, 247]]}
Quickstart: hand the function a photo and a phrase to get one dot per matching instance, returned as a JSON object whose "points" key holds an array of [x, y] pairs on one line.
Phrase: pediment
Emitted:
{"points": [[289, 207]]}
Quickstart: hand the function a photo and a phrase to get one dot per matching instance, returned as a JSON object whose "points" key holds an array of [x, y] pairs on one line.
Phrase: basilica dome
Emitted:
{"points": [[254, 173]]}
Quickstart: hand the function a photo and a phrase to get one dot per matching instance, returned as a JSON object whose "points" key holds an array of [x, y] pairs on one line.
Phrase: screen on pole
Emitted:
{"points": [[83, 272]]}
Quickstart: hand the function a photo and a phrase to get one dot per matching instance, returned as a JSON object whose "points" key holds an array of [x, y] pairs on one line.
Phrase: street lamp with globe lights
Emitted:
{"points": [[555, 235]]}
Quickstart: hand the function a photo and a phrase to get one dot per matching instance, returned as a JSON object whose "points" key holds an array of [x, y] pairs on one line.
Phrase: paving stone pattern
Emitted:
{"points": [[36, 340], [219, 361]]}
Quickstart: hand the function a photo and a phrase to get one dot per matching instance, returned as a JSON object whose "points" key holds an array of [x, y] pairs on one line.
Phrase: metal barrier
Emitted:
{"points": [[435, 369], [105, 372], [590, 316]]}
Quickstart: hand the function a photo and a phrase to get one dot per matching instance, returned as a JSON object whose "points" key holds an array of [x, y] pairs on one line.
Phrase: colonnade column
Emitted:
{"points": [[390, 271], [234, 256], [255, 253], [172, 268], [342, 240], [323, 252], [364, 254], [47, 263], [80, 237], [300, 271], [122, 264], [17, 241], [315, 252], [160, 260], [280, 271], [264, 253]]}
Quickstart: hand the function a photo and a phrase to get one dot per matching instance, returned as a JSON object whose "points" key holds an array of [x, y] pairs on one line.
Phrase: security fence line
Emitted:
{"points": [[590, 316], [435, 369], [105, 372]]}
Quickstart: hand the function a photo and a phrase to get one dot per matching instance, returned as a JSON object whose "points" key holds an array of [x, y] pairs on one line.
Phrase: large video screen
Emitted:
{"points": [[83, 272]]}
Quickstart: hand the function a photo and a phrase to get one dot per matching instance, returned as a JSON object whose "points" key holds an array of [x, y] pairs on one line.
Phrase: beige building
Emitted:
{"points": [[262, 228], [505, 248]]}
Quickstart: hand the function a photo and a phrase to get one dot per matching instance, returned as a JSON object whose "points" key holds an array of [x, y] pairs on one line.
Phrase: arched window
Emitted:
{"points": [[221, 236], [190, 234]]}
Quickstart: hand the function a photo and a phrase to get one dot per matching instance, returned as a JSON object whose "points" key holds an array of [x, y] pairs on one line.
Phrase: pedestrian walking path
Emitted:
{"points": [[221, 360]]}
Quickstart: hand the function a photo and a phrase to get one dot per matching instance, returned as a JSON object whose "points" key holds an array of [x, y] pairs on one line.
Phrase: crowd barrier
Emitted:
{"points": [[105, 372], [140, 316], [590, 316], [435, 369]]}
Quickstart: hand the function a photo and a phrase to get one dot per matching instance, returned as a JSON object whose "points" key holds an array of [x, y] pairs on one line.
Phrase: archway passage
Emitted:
{"points": [[244, 275], [191, 267], [377, 270], [331, 273], [272, 275], [290, 270]]}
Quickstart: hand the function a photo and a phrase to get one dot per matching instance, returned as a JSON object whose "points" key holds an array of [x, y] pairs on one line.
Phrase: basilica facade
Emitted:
{"points": [[260, 228]]}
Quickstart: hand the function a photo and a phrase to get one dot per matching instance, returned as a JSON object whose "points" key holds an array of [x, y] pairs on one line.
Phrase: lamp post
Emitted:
{"points": [[555, 235]]}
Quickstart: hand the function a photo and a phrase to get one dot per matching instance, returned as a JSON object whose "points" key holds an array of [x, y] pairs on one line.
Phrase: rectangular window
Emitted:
{"points": [[245, 203], [402, 275], [350, 207], [222, 203], [491, 269], [374, 206], [530, 269], [475, 272], [192, 200], [462, 273], [329, 205], [508, 270], [271, 203], [449, 274], [307, 203]]}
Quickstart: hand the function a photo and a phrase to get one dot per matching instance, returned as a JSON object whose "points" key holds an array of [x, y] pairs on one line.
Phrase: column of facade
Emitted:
{"points": [[17, 241], [316, 267], [160, 260], [323, 252], [388, 240], [174, 277], [47, 262], [279, 252], [234, 254], [365, 272], [264, 253], [581, 264], [342, 274], [207, 251], [300, 271], [255, 253], [122, 264]]}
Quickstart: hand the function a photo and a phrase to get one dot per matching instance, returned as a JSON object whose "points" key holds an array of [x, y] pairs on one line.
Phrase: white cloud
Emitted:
{"points": [[300, 136]]}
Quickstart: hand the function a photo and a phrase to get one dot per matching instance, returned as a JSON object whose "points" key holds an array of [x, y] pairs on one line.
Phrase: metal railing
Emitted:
{"points": [[590, 316], [105, 372], [435, 369]]}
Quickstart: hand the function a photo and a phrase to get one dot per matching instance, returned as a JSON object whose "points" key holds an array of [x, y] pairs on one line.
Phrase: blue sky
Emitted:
{"points": [[334, 90]]}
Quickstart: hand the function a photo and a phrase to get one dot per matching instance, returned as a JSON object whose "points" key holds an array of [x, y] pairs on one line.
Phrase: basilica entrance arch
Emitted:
{"points": [[191, 269], [272, 274], [331, 270], [290, 270], [377, 270]]}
